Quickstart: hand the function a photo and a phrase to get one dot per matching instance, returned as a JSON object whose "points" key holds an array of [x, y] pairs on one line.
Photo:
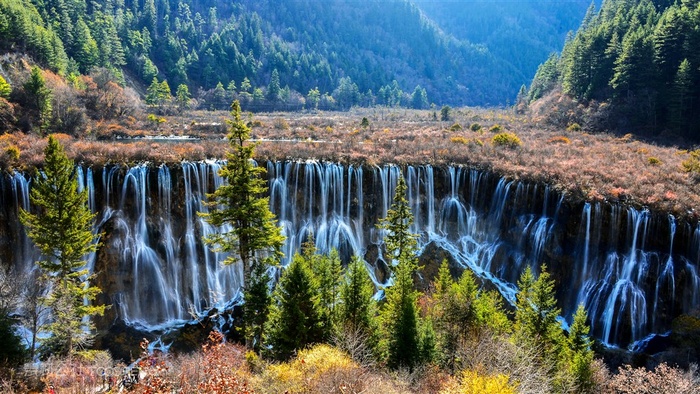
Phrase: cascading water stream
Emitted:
{"points": [[162, 273]]}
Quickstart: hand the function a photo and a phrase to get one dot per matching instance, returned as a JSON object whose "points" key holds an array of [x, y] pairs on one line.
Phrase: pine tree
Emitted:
{"points": [[581, 355], [453, 312], [273, 89], [40, 96], [327, 273], [85, 50], [219, 95], [634, 68], [256, 308], [680, 92], [153, 92], [182, 96], [61, 228], [400, 317], [399, 239], [419, 98], [536, 314], [357, 307], [313, 98], [295, 320], [240, 203], [400, 313]]}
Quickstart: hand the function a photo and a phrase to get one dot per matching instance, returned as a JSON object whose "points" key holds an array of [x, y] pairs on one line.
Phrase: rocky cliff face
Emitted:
{"points": [[634, 270]]}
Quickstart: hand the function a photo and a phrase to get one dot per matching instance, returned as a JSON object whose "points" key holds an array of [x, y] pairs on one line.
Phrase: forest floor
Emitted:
{"points": [[585, 166]]}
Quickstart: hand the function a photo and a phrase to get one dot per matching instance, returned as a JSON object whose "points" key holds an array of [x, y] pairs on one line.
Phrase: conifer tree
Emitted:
{"points": [[85, 50], [400, 313], [153, 92], [357, 309], [681, 89], [40, 96], [295, 321], [61, 227], [183, 96], [536, 315], [257, 304], [240, 203], [400, 317], [581, 354], [453, 312], [399, 239], [327, 273], [274, 88]]}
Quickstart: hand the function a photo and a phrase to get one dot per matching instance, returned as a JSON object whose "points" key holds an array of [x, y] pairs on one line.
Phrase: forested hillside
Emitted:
{"points": [[524, 32], [340, 53], [634, 65]]}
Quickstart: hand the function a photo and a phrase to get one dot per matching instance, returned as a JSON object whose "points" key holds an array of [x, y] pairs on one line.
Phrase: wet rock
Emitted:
{"points": [[122, 341]]}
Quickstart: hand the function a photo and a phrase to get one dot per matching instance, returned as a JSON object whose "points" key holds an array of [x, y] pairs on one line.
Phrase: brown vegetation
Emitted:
{"points": [[585, 166]]}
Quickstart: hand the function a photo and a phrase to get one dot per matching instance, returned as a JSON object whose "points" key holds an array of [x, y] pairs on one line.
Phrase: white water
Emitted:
{"points": [[494, 226]]}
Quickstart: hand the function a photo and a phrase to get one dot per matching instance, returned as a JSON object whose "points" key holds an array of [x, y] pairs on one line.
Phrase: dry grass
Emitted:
{"points": [[585, 166]]}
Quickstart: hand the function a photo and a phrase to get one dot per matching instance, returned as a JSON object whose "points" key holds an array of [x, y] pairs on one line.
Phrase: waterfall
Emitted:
{"points": [[634, 271]]}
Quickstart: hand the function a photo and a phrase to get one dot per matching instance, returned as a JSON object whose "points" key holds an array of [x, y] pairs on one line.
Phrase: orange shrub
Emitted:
{"points": [[560, 139]]}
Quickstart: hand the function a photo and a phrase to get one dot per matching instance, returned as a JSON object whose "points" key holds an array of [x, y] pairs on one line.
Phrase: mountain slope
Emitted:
{"points": [[640, 58], [360, 47], [522, 32]]}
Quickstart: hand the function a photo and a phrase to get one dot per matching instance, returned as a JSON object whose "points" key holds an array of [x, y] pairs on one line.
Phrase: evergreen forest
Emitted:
{"points": [[376, 54], [635, 66]]}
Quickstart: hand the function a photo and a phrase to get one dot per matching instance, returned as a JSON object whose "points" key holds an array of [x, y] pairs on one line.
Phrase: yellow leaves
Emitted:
{"points": [[474, 383], [321, 364]]}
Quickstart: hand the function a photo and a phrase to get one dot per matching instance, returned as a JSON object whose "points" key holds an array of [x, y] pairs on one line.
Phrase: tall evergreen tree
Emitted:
{"points": [[39, 97], [581, 354], [61, 227], [240, 203], [680, 97], [536, 314], [357, 307], [274, 89], [257, 305], [182, 96], [327, 272], [400, 313], [85, 50], [399, 240], [295, 320]]}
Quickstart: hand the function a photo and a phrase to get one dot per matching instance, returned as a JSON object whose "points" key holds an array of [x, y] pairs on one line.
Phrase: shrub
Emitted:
{"points": [[281, 124], [12, 152], [654, 161], [496, 128], [574, 127], [456, 127], [445, 113], [321, 369], [663, 379], [475, 383], [560, 139], [692, 163], [329, 129], [475, 127], [364, 123], [509, 140], [458, 139]]}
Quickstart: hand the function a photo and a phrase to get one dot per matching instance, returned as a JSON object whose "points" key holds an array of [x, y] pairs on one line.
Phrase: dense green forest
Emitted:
{"points": [[334, 54], [640, 60]]}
